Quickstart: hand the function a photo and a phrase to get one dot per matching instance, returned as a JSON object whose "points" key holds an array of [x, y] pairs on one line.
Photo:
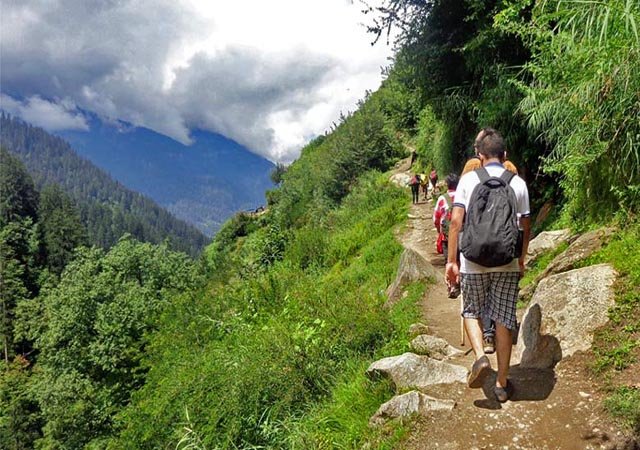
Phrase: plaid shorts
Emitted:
{"points": [[497, 291]]}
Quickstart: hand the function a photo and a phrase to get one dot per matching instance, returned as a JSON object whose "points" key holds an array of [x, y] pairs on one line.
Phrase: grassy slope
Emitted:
{"points": [[276, 357], [617, 345]]}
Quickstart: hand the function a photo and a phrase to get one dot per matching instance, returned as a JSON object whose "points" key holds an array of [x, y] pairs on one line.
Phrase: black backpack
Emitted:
{"points": [[491, 237]]}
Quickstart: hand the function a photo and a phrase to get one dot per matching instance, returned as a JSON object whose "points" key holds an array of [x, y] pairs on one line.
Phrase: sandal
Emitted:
{"points": [[479, 372], [503, 393]]}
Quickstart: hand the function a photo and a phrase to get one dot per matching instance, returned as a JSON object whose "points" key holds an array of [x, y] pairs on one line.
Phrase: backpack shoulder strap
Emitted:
{"points": [[483, 175], [507, 176]]}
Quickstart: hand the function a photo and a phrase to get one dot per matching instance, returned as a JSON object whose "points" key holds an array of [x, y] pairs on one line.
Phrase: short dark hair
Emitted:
{"points": [[486, 131], [452, 180], [492, 145]]}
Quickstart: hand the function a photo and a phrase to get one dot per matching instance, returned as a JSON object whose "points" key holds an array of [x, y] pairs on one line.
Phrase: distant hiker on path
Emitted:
{"points": [[433, 179], [413, 157], [442, 213], [424, 184], [489, 268], [415, 187]]}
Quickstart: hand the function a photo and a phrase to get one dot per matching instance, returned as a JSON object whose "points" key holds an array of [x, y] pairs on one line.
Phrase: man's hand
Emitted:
{"points": [[521, 264], [452, 274]]}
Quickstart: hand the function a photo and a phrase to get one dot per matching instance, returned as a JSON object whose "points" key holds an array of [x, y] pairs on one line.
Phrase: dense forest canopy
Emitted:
{"points": [[263, 342]]}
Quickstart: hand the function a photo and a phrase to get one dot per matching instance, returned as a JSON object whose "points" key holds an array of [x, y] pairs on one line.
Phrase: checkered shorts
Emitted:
{"points": [[497, 291]]}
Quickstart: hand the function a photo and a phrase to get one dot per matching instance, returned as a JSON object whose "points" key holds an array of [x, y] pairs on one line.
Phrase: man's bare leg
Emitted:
{"points": [[503, 349], [474, 332], [481, 368]]}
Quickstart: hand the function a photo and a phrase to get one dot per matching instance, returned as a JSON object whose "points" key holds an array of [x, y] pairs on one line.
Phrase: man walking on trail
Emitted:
{"points": [[424, 184], [489, 269], [474, 162], [488, 325]]}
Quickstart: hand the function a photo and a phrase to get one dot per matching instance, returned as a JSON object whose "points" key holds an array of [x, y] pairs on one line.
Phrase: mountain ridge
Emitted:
{"points": [[204, 183]]}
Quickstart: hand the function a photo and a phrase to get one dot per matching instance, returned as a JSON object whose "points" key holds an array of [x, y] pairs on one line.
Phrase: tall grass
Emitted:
{"points": [[583, 100], [252, 360], [341, 421]]}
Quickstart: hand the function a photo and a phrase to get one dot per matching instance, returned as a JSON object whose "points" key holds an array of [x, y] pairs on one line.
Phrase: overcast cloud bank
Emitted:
{"points": [[270, 75]]}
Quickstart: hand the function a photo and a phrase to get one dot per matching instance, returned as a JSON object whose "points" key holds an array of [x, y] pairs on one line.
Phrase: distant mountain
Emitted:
{"points": [[107, 208], [203, 184]]}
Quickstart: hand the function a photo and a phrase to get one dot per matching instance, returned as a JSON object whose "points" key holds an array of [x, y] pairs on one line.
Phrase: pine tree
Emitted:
{"points": [[18, 196], [61, 227]]}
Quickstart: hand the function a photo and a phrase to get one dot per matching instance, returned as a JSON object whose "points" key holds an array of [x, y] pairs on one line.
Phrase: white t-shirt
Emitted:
{"points": [[465, 187]]}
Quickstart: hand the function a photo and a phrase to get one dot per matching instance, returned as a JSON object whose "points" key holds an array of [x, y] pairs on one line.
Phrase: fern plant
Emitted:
{"points": [[584, 99]]}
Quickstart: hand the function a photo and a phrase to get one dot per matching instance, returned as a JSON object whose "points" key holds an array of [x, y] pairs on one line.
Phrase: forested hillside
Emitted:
{"points": [[264, 344], [107, 208]]}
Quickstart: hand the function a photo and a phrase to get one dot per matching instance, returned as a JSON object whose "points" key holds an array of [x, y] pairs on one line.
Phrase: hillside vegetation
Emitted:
{"points": [[107, 208], [263, 342]]}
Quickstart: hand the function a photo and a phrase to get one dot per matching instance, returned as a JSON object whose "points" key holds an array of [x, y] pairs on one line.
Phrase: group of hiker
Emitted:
{"points": [[419, 182], [483, 229]]}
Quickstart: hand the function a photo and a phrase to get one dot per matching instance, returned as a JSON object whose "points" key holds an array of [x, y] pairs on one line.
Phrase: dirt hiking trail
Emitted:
{"points": [[549, 409]]}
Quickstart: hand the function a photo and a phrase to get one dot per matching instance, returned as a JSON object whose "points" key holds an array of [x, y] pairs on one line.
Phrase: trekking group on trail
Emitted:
{"points": [[483, 229]]}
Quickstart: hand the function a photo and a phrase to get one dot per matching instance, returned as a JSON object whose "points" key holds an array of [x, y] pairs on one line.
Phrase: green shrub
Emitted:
{"points": [[308, 248]]}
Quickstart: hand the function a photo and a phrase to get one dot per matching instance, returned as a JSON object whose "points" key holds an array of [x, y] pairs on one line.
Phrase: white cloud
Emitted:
{"points": [[268, 74], [43, 113]]}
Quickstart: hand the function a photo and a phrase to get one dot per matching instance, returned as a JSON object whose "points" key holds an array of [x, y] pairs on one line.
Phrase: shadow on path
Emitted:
{"points": [[528, 385]]}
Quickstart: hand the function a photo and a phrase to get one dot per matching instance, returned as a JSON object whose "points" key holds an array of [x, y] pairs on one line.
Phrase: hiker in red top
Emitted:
{"points": [[442, 213], [433, 178], [414, 183]]}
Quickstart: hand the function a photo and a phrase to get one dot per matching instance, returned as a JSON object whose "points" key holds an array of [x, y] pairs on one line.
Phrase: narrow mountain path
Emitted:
{"points": [[550, 409]]}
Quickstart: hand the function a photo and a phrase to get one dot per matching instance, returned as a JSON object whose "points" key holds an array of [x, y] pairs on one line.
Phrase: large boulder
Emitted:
{"points": [[413, 267], [544, 242], [409, 404], [400, 179], [433, 346], [411, 371], [563, 314], [580, 249], [583, 247]]}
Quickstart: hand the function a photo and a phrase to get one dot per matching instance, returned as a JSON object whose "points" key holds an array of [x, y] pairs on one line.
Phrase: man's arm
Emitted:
{"points": [[525, 224], [452, 271], [437, 214]]}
